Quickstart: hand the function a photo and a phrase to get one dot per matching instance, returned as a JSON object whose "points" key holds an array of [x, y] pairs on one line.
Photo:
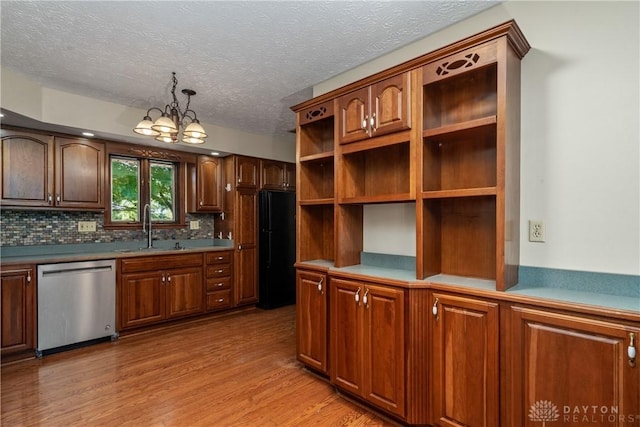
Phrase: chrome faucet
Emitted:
{"points": [[146, 209]]}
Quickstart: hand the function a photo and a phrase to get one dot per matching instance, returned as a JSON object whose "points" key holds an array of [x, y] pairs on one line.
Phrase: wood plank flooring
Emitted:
{"points": [[236, 370]]}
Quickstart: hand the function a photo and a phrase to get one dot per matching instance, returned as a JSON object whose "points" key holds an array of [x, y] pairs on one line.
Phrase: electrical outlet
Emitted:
{"points": [[536, 231], [86, 226], [194, 225]]}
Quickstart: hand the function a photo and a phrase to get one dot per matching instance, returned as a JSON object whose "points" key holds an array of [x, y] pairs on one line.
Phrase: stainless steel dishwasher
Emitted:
{"points": [[76, 304]]}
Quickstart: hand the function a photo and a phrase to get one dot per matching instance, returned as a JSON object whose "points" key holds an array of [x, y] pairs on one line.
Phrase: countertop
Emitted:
{"points": [[47, 254]]}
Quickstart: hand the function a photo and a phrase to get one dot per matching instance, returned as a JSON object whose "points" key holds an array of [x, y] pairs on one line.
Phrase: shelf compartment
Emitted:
{"points": [[315, 232], [461, 240], [316, 180], [462, 98], [386, 198], [319, 157], [460, 127], [381, 174], [459, 160], [317, 137]]}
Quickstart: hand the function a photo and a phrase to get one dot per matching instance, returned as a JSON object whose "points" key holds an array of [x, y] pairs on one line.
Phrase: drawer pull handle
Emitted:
{"points": [[220, 300], [357, 296], [631, 350], [320, 285], [434, 309], [220, 271], [365, 299], [220, 285], [219, 258]]}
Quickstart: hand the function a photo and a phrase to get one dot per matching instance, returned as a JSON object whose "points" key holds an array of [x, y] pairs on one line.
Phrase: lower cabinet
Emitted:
{"points": [[18, 327], [219, 282], [464, 361], [570, 370], [159, 288], [368, 342], [311, 319]]}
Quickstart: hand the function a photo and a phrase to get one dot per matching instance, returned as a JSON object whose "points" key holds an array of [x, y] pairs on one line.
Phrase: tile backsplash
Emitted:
{"points": [[27, 228]]}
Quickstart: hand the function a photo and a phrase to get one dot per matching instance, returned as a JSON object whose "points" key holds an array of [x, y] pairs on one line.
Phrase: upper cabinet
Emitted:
{"points": [[205, 185], [375, 110], [246, 169], [278, 175], [28, 164]]}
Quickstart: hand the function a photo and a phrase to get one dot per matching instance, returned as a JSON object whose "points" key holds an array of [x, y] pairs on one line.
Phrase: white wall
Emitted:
{"points": [[580, 131]]}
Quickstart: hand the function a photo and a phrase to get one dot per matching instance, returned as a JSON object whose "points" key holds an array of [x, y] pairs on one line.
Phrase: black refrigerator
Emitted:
{"points": [[277, 243]]}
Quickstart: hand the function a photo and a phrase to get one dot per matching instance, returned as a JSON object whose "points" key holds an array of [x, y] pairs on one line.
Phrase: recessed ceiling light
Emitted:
{"points": [[87, 134], [215, 153]]}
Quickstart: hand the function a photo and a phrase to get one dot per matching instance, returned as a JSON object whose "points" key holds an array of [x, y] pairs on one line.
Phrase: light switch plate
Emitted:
{"points": [[86, 226], [194, 225]]}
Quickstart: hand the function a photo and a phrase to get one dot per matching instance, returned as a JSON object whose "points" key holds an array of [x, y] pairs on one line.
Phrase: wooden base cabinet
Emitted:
{"points": [[311, 319], [18, 288], [464, 361], [159, 288], [569, 370], [368, 343]]}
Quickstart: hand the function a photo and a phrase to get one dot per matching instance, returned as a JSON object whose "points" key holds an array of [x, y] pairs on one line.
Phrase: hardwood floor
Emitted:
{"points": [[237, 370]]}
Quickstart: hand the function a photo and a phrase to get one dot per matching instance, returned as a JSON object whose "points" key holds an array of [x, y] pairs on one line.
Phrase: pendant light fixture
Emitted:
{"points": [[172, 120]]}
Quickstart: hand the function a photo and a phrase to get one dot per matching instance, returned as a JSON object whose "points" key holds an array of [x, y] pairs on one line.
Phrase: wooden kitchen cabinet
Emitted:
{"points": [[568, 369], [368, 342], [159, 288], [464, 361], [44, 171], [205, 185], [277, 175], [312, 319], [381, 108], [246, 172], [241, 220], [18, 299], [219, 280]]}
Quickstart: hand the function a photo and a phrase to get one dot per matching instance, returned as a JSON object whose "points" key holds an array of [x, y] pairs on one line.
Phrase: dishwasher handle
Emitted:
{"points": [[76, 270]]}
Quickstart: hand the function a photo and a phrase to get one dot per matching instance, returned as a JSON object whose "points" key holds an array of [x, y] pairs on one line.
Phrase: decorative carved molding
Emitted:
{"points": [[316, 113], [468, 61], [155, 154]]}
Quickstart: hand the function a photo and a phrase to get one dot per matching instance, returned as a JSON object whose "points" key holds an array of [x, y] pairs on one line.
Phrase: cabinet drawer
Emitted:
{"points": [[219, 270], [219, 257], [159, 262], [218, 284], [217, 300]]}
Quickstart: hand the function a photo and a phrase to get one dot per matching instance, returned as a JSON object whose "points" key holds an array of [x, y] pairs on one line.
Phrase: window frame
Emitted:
{"points": [[145, 191]]}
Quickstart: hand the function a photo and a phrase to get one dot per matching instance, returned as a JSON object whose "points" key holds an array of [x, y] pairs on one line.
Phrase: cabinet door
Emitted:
{"points": [[79, 173], [208, 184], [571, 371], [311, 319], [384, 348], [290, 176], [18, 310], [347, 348], [27, 169], [246, 265], [273, 175], [353, 116], [464, 363], [246, 172], [391, 105], [142, 299], [184, 292]]}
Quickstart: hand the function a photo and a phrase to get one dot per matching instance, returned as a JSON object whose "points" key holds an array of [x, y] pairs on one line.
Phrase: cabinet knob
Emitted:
{"points": [[169, 279], [28, 277], [163, 279], [200, 202], [220, 271], [49, 198], [631, 350], [357, 296], [373, 122], [365, 299], [220, 300], [434, 309], [320, 285], [365, 122], [57, 198], [220, 285]]}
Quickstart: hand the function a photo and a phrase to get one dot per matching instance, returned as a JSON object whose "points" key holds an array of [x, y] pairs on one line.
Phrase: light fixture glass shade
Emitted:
{"points": [[144, 127], [192, 140], [164, 124], [195, 130], [170, 138]]}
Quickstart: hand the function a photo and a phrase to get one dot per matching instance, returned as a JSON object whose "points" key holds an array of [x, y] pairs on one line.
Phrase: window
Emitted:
{"points": [[136, 182]]}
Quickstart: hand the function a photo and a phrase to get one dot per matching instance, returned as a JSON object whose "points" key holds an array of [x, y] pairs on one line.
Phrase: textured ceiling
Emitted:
{"points": [[248, 61]]}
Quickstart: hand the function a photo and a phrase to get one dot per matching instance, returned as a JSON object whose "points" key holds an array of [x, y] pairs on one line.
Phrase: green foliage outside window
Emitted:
{"points": [[126, 204]]}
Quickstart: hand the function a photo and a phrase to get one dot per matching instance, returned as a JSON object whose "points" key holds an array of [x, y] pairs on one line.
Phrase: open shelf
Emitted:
{"points": [[461, 98], [463, 127], [315, 232], [464, 159], [316, 180], [462, 237], [465, 192], [316, 138], [376, 176], [319, 157]]}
